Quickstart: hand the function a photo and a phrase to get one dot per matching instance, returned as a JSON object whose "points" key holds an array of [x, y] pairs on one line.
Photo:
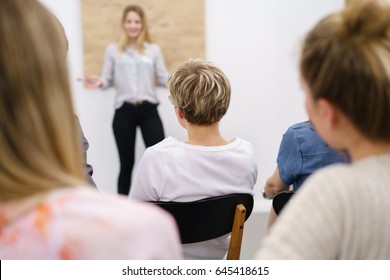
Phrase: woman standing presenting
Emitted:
{"points": [[133, 65]]}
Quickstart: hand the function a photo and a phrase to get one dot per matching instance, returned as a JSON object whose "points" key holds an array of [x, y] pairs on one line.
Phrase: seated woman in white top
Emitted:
{"points": [[47, 210], [204, 165], [341, 212]]}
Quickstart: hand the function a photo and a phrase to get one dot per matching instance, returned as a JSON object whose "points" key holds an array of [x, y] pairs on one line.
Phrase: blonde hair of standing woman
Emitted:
{"points": [[39, 141], [144, 33]]}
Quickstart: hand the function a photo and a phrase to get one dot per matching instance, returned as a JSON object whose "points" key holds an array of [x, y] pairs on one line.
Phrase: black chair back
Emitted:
{"points": [[207, 218], [280, 200]]}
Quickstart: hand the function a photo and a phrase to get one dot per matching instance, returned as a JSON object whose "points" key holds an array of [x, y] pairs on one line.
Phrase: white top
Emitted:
{"points": [[175, 171], [81, 223], [134, 73], [341, 212]]}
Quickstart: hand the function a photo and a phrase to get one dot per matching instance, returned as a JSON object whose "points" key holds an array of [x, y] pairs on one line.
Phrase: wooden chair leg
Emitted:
{"points": [[237, 232]]}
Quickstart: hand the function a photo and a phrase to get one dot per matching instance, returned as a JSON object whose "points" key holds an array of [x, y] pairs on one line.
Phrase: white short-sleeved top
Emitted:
{"points": [[176, 171]]}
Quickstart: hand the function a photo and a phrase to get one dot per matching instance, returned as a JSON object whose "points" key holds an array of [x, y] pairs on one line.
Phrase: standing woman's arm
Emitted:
{"points": [[107, 75], [105, 80], [159, 68]]}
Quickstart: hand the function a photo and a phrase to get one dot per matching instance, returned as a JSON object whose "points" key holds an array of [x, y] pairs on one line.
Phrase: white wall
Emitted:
{"points": [[256, 43]]}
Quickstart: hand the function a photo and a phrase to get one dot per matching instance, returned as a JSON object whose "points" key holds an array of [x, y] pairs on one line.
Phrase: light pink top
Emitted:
{"points": [[78, 223]]}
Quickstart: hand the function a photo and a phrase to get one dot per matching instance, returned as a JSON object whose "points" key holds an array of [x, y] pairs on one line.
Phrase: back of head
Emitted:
{"points": [[201, 90], [345, 59], [39, 144]]}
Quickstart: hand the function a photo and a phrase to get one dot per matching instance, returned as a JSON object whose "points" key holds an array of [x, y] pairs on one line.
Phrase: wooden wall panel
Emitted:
{"points": [[177, 26]]}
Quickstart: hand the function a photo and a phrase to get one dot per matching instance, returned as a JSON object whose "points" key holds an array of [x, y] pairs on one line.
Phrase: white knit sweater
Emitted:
{"points": [[341, 212]]}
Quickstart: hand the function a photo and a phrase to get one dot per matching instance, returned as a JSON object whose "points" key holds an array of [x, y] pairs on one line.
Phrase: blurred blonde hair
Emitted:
{"points": [[201, 90], [144, 33], [39, 142], [345, 59]]}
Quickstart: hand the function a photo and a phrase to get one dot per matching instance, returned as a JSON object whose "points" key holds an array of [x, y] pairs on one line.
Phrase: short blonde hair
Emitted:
{"points": [[345, 59], [201, 90], [39, 142]]}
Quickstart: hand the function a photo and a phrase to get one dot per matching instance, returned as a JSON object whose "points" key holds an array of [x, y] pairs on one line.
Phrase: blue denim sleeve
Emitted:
{"points": [[289, 158]]}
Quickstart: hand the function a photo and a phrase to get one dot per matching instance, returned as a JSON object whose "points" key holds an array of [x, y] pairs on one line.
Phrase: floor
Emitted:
{"points": [[255, 229]]}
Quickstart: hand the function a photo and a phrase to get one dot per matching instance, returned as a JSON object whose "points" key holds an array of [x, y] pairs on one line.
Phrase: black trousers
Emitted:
{"points": [[126, 120]]}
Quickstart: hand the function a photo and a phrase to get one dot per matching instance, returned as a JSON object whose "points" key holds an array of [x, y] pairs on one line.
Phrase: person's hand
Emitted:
{"points": [[274, 185], [91, 82]]}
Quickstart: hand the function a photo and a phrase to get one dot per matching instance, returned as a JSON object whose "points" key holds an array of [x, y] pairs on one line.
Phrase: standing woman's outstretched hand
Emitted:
{"points": [[91, 82]]}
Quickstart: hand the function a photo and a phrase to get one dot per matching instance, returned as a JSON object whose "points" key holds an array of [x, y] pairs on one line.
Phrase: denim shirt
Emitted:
{"points": [[302, 152]]}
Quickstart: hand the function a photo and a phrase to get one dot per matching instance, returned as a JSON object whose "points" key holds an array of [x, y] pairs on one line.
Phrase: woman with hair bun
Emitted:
{"points": [[341, 211]]}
